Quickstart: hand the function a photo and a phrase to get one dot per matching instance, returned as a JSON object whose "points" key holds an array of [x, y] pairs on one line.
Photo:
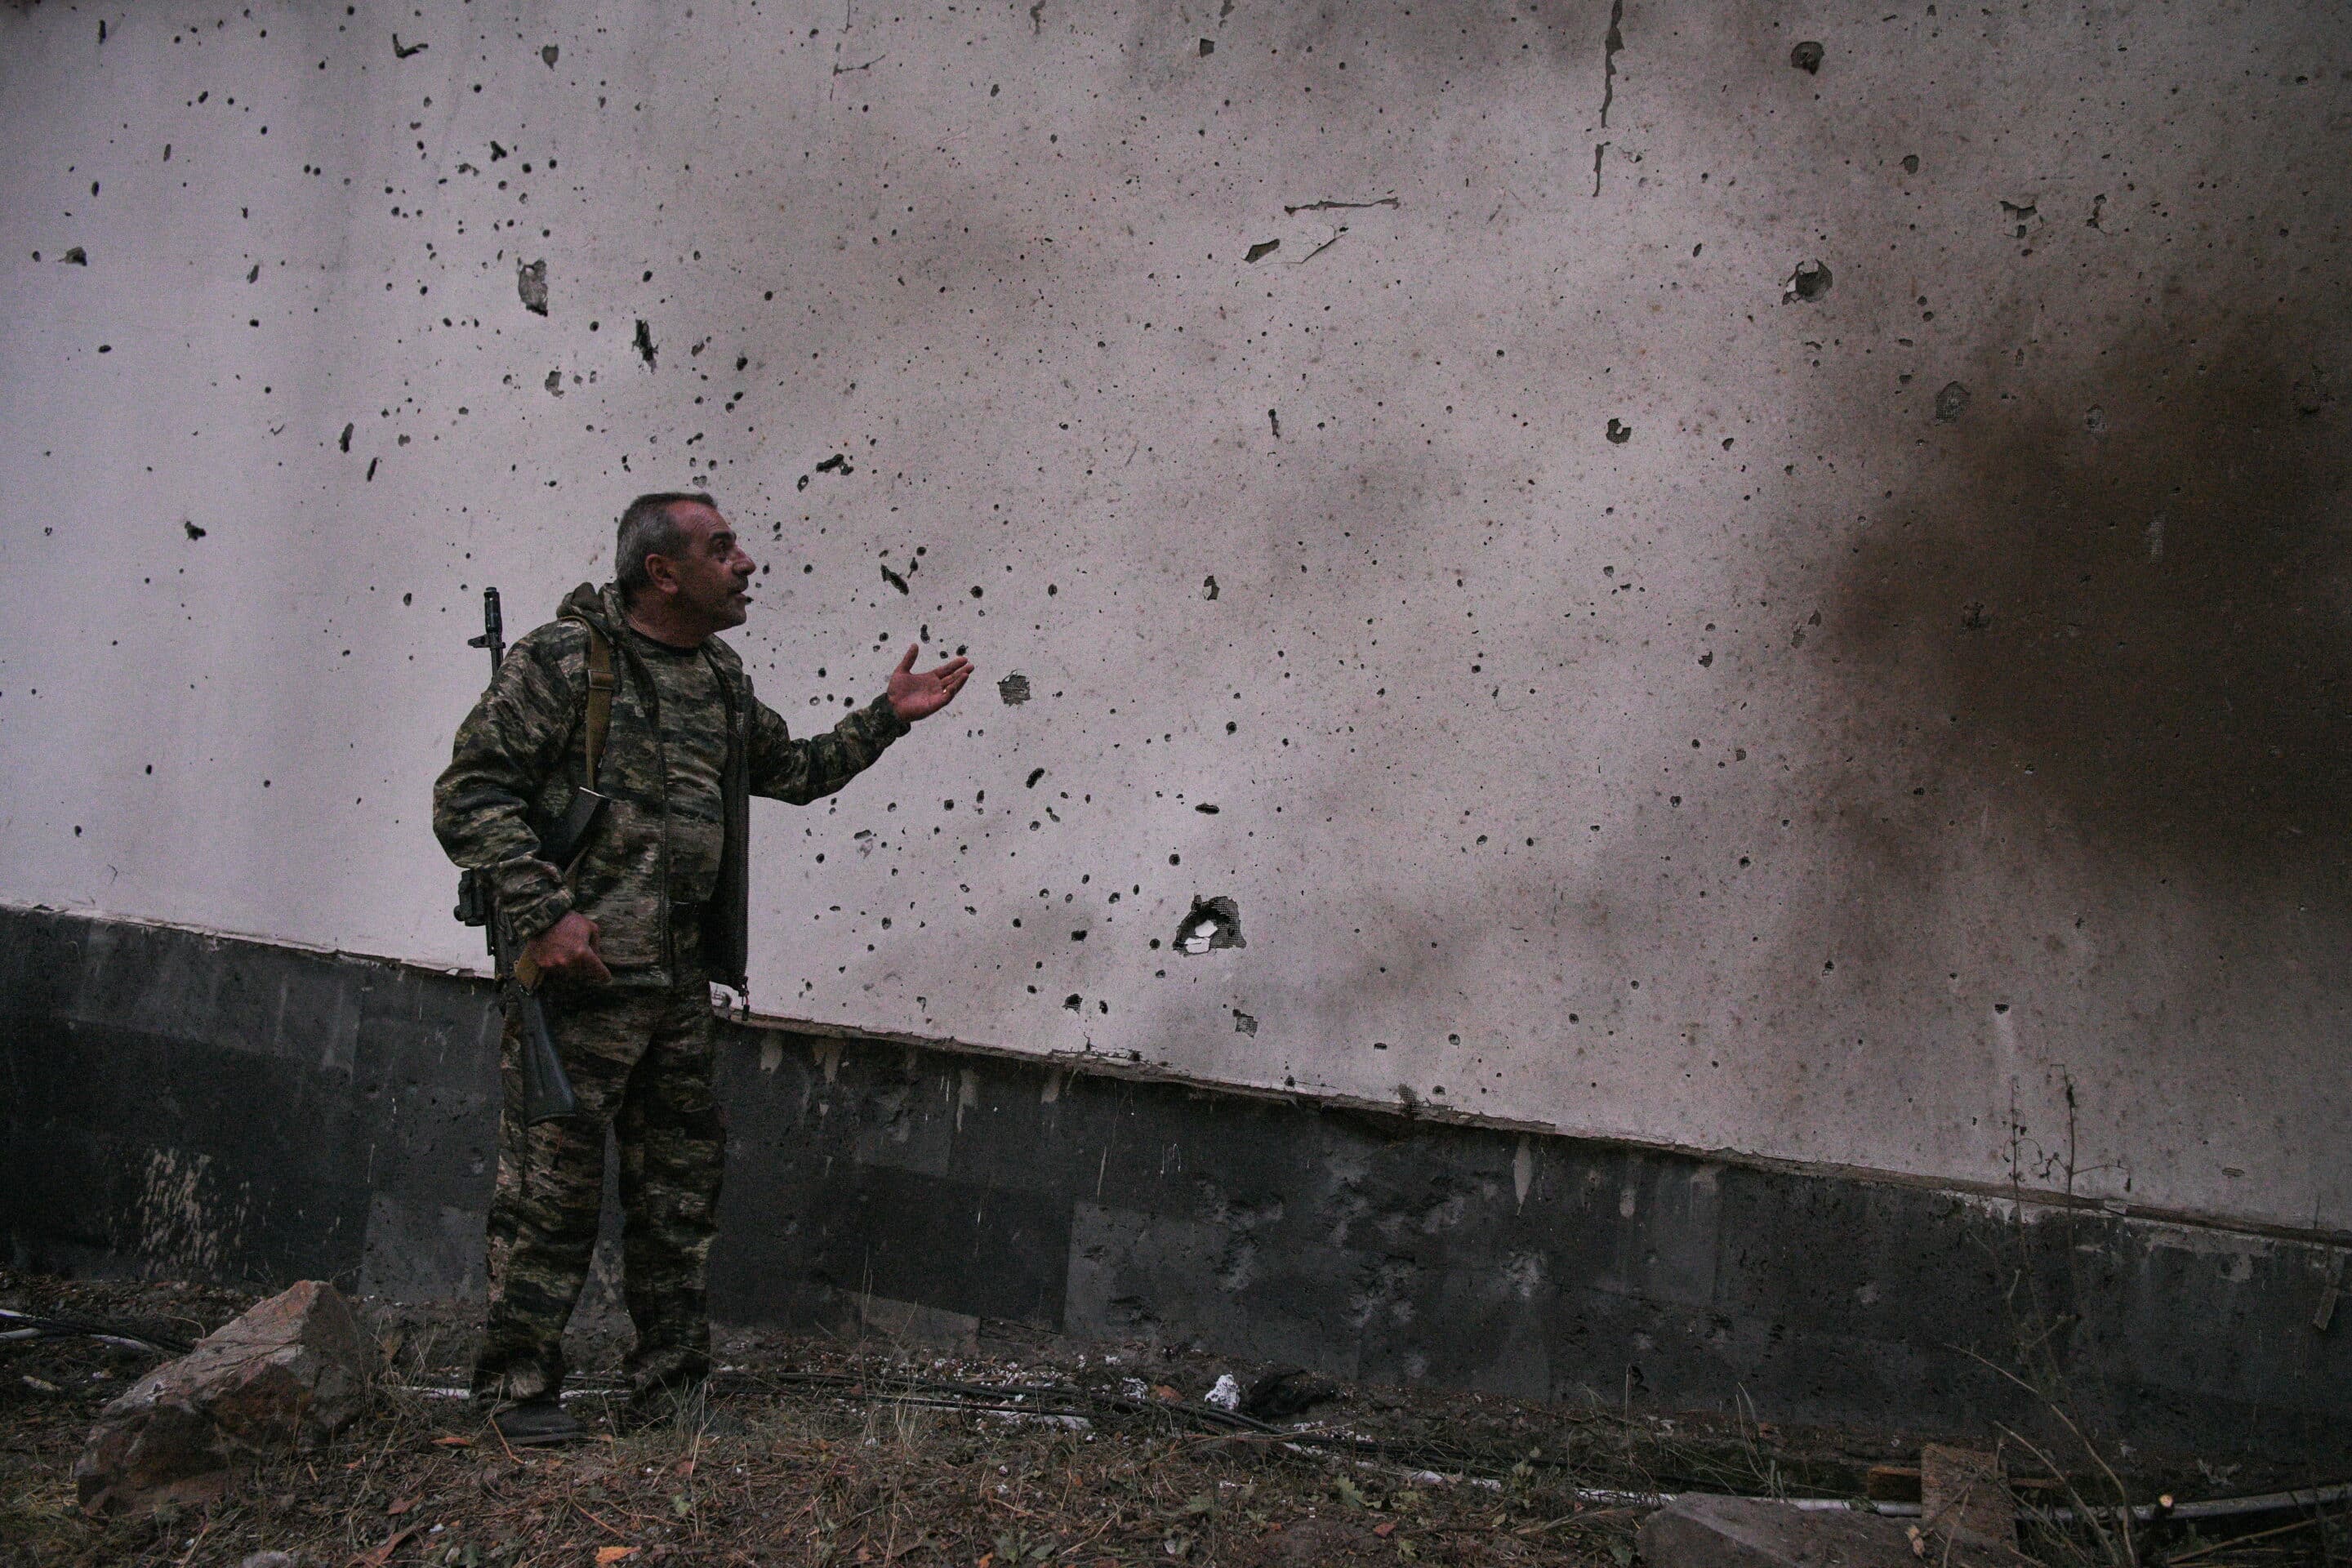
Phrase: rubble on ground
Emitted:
{"points": [[288, 1374]]}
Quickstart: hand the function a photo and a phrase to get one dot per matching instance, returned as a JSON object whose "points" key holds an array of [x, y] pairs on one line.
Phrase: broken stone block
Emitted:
{"points": [[288, 1374], [1696, 1531]]}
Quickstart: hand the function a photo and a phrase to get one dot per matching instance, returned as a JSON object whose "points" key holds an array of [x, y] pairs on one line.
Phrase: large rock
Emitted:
{"points": [[288, 1374]]}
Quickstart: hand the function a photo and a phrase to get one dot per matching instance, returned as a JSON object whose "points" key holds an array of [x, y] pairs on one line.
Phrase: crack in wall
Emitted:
{"points": [[1610, 42]]}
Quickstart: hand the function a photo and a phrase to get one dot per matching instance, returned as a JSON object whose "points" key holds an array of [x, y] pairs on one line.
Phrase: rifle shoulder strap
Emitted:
{"points": [[600, 700]]}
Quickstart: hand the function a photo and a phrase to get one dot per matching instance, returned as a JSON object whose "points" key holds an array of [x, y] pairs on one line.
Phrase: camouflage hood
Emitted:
{"points": [[599, 607]]}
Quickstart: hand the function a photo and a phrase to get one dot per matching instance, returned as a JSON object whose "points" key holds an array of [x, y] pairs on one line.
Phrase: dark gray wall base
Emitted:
{"points": [[181, 1103]]}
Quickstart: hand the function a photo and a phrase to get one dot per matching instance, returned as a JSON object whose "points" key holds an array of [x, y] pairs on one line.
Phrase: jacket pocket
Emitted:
{"points": [[620, 886]]}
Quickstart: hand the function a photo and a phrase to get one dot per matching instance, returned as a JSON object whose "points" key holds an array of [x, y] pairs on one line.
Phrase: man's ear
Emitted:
{"points": [[660, 576]]}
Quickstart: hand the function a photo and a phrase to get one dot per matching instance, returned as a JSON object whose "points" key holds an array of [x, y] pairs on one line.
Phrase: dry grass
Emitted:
{"points": [[761, 1477], [806, 1452], [809, 1452]]}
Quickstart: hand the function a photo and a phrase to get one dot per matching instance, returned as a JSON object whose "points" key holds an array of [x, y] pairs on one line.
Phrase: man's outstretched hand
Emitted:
{"points": [[919, 695]]}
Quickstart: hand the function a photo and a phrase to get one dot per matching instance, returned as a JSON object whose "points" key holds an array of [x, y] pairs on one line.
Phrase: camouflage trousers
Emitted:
{"points": [[640, 1063]]}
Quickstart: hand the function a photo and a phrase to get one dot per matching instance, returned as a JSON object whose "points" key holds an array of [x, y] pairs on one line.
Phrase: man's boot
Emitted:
{"points": [[536, 1424]]}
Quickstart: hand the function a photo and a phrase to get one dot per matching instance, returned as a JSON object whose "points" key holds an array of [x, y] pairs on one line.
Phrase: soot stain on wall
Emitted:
{"points": [[2136, 621]]}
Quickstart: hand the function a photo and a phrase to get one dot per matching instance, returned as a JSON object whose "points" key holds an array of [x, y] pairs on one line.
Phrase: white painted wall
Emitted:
{"points": [[1803, 777]]}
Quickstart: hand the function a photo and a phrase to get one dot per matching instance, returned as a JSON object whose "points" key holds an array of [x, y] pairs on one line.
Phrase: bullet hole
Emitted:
{"points": [[1073, 1002], [370, 473], [1809, 281], [1244, 1024], [400, 51], [836, 464], [644, 344], [1807, 57], [1208, 47], [549, 53], [1034, 774], [1274, 420], [894, 579], [555, 382], [194, 531], [1262, 249], [2019, 218], [106, 348], [345, 441], [1209, 924], [1205, 809], [408, 598], [2311, 392], [496, 153], [1013, 691], [1175, 860], [531, 283], [77, 257], [1077, 936], [1619, 432], [1951, 403], [740, 361], [975, 590], [1911, 163], [1209, 587]]}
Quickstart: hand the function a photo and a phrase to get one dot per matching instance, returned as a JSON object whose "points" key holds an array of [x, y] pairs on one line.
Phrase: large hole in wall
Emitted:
{"points": [[1213, 923]]}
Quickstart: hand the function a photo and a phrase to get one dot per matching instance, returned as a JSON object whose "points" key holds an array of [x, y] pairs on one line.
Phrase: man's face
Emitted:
{"points": [[709, 579]]}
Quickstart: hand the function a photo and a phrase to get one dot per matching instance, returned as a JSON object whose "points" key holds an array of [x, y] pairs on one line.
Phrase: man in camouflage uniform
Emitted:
{"points": [[630, 937]]}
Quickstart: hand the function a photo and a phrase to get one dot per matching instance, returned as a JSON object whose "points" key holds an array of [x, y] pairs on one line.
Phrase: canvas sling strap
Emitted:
{"points": [[569, 839]]}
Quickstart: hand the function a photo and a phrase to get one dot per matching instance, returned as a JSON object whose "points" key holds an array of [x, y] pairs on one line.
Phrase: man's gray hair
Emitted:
{"points": [[647, 528]]}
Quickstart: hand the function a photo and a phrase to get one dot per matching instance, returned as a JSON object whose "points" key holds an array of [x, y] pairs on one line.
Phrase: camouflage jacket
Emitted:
{"points": [[519, 755]]}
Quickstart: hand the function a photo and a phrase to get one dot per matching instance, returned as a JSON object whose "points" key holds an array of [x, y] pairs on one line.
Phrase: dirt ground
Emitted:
{"points": [[811, 1451]]}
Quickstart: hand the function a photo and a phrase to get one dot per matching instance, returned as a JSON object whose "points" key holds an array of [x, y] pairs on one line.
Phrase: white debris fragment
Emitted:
{"points": [[1226, 1394]]}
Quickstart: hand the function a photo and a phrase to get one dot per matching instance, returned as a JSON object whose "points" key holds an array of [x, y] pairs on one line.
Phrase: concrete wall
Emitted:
{"points": [[181, 1104], [1902, 727]]}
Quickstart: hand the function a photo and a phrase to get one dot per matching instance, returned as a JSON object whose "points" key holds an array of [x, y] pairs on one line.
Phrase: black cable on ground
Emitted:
{"points": [[1085, 1404], [25, 1328]]}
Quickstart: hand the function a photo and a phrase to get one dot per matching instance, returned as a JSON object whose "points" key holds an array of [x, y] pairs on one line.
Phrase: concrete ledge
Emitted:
{"points": [[223, 1109]]}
